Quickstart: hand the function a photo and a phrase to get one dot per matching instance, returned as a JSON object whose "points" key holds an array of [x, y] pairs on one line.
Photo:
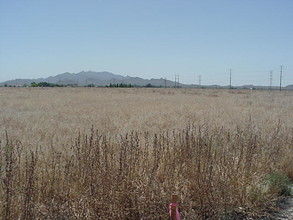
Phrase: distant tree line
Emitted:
{"points": [[124, 85], [120, 85], [45, 84], [111, 85]]}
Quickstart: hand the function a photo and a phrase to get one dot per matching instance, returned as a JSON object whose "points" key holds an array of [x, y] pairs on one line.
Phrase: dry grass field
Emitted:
{"points": [[104, 153], [38, 116]]}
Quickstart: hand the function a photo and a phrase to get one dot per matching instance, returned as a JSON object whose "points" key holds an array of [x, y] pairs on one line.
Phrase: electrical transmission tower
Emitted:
{"points": [[199, 80], [281, 75], [176, 81], [230, 79], [271, 79]]}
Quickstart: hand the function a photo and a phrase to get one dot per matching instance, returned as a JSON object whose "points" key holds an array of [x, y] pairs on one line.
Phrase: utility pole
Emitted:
{"points": [[271, 79], [230, 79], [175, 81], [165, 82], [199, 80], [281, 72]]}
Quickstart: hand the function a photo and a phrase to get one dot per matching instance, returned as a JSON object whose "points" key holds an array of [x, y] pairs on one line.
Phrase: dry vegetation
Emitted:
{"points": [[88, 153]]}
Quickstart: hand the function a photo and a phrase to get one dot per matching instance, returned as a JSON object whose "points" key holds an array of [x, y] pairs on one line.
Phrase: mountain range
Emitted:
{"points": [[90, 77], [85, 78]]}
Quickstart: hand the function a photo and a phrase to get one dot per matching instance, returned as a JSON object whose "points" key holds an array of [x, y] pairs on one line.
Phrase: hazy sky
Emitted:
{"points": [[149, 39]]}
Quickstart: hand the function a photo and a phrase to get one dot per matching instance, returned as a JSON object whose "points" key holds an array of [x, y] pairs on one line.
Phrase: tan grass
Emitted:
{"points": [[38, 116], [136, 147]]}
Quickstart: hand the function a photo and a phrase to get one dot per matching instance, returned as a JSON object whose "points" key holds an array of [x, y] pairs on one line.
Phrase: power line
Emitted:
{"points": [[236, 78]]}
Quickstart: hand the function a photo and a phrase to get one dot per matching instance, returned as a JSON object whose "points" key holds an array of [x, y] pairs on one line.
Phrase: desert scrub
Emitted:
{"points": [[215, 170]]}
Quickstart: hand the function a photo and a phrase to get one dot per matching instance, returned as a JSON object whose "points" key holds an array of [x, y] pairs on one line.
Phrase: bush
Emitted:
{"points": [[278, 183]]}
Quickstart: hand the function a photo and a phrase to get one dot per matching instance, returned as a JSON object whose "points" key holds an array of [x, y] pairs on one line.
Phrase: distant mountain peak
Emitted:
{"points": [[83, 78]]}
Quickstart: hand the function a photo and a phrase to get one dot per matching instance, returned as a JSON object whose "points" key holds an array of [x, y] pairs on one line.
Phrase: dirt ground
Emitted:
{"points": [[286, 210]]}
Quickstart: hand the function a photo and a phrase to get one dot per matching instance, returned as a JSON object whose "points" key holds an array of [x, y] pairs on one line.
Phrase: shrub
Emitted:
{"points": [[278, 183]]}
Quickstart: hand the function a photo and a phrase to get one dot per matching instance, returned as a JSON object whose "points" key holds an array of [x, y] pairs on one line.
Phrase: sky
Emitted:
{"points": [[149, 39]]}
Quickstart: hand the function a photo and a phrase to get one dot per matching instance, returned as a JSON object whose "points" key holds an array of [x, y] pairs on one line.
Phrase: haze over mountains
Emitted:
{"points": [[106, 78]]}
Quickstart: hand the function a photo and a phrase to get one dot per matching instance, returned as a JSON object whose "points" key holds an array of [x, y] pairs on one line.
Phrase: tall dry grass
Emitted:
{"points": [[40, 116], [214, 148]]}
